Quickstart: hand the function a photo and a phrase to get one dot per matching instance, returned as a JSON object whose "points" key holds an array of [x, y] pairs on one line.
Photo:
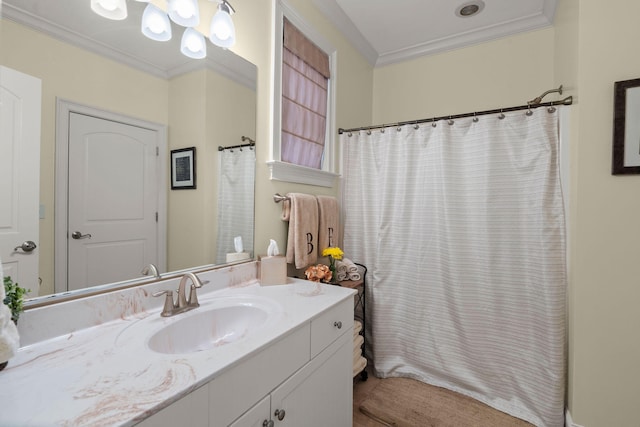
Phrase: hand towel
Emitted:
{"points": [[357, 327], [341, 271], [9, 339], [301, 210], [353, 273], [359, 366], [329, 223]]}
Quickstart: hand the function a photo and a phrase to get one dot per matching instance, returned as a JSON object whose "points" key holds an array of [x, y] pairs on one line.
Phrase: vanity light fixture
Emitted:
{"points": [[110, 9], [223, 32], [184, 12], [155, 23], [193, 44], [157, 26]]}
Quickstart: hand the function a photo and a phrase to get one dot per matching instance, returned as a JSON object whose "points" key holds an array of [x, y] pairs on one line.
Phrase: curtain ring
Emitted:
{"points": [[399, 128], [350, 134], [450, 122], [551, 109], [434, 122], [369, 132], [529, 112], [382, 130], [416, 127], [475, 118], [501, 116]]}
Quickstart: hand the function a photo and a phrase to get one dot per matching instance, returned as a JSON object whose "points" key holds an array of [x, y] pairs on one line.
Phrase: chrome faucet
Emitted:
{"points": [[182, 304], [151, 270]]}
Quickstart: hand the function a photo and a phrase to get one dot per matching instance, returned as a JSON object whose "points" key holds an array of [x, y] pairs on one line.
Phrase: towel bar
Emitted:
{"points": [[277, 198]]}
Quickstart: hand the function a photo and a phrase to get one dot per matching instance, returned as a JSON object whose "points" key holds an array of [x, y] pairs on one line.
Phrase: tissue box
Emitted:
{"points": [[273, 270]]}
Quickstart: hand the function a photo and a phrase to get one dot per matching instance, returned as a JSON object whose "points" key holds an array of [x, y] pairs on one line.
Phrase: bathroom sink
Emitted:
{"points": [[209, 328]]}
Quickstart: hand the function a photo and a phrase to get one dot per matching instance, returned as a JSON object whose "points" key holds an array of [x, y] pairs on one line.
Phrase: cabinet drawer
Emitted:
{"points": [[330, 325]]}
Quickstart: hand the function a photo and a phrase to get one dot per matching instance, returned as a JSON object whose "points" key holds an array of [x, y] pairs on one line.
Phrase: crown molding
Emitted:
{"points": [[338, 17], [470, 38]]}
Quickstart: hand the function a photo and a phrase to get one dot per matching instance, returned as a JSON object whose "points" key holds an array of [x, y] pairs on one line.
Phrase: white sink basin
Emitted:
{"points": [[206, 328]]}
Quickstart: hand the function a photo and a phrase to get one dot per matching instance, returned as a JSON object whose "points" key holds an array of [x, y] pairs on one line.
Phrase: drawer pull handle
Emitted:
{"points": [[280, 414], [338, 324]]}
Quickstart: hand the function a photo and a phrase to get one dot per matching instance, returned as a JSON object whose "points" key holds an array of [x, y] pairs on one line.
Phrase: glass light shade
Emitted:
{"points": [[184, 12], [193, 44], [155, 23], [223, 32], [110, 9]]}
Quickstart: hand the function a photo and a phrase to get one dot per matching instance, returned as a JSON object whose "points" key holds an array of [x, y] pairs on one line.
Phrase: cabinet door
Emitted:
{"points": [[321, 393], [192, 410], [258, 416]]}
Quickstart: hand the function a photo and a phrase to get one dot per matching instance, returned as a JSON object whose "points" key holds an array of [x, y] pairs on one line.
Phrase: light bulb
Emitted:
{"points": [[110, 9], [155, 23], [184, 12], [223, 32], [193, 44]]}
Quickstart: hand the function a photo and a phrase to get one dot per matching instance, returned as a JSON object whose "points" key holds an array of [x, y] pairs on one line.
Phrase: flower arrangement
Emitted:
{"points": [[333, 253], [318, 273]]}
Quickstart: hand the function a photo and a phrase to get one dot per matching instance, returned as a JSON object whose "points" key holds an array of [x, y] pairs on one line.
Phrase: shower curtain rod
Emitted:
{"points": [[535, 103], [250, 144]]}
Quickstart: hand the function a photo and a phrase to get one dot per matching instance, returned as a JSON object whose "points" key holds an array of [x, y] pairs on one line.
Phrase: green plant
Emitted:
{"points": [[14, 298]]}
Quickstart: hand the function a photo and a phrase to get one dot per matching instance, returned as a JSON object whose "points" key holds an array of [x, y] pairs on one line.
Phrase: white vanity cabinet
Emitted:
{"points": [[317, 394], [190, 411]]}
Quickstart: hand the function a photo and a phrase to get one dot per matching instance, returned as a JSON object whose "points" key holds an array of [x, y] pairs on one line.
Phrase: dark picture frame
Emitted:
{"points": [[626, 128], [183, 169]]}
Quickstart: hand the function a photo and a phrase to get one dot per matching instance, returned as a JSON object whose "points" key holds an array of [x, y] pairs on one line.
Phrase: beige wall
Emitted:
{"points": [[504, 72], [604, 382], [75, 75], [254, 30], [199, 118]]}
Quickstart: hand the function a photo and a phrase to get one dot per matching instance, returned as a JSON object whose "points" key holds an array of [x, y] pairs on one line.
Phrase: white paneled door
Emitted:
{"points": [[20, 98], [113, 200]]}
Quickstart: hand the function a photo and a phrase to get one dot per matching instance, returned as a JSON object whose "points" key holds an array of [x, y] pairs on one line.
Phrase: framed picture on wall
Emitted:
{"points": [[183, 169], [626, 128]]}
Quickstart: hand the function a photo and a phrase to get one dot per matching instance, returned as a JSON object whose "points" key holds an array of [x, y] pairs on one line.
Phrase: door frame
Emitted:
{"points": [[63, 110]]}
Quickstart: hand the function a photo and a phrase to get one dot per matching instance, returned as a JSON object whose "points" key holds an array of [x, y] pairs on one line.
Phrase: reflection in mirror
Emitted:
{"points": [[108, 66]]}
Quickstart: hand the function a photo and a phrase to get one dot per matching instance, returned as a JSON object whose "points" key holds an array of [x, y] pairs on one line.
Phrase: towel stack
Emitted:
{"points": [[347, 270], [359, 362], [9, 339]]}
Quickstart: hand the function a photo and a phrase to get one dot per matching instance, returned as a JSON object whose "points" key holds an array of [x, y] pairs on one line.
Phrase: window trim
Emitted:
{"points": [[283, 171]]}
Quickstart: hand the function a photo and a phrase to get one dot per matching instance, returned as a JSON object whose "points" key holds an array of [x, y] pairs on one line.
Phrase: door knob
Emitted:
{"points": [[267, 423], [27, 246], [78, 235], [279, 413]]}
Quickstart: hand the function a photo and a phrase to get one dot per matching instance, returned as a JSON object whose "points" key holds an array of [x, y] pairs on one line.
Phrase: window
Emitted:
{"points": [[303, 136]]}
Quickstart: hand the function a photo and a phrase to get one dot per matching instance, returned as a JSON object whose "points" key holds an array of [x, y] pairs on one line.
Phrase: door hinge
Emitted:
{"points": [[157, 151], [156, 216]]}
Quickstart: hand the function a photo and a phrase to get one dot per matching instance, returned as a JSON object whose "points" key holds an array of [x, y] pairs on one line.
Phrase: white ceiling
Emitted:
{"points": [[389, 31], [384, 31]]}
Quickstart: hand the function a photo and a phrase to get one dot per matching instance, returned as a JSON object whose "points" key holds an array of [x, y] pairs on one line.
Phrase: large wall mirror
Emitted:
{"points": [[90, 66]]}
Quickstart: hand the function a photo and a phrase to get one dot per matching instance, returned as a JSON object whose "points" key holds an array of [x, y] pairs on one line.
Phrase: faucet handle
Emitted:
{"points": [[169, 305], [193, 297]]}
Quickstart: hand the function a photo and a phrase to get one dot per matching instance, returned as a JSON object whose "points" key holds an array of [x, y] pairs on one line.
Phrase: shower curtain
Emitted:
{"points": [[235, 200], [462, 228]]}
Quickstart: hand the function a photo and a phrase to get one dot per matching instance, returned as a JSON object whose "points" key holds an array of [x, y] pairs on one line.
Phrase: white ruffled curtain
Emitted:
{"points": [[235, 200], [462, 229]]}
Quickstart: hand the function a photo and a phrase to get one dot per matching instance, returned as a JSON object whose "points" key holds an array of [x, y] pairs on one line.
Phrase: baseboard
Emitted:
{"points": [[568, 421]]}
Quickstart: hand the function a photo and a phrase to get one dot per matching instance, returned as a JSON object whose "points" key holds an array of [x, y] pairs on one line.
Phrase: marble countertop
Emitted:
{"points": [[106, 374]]}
